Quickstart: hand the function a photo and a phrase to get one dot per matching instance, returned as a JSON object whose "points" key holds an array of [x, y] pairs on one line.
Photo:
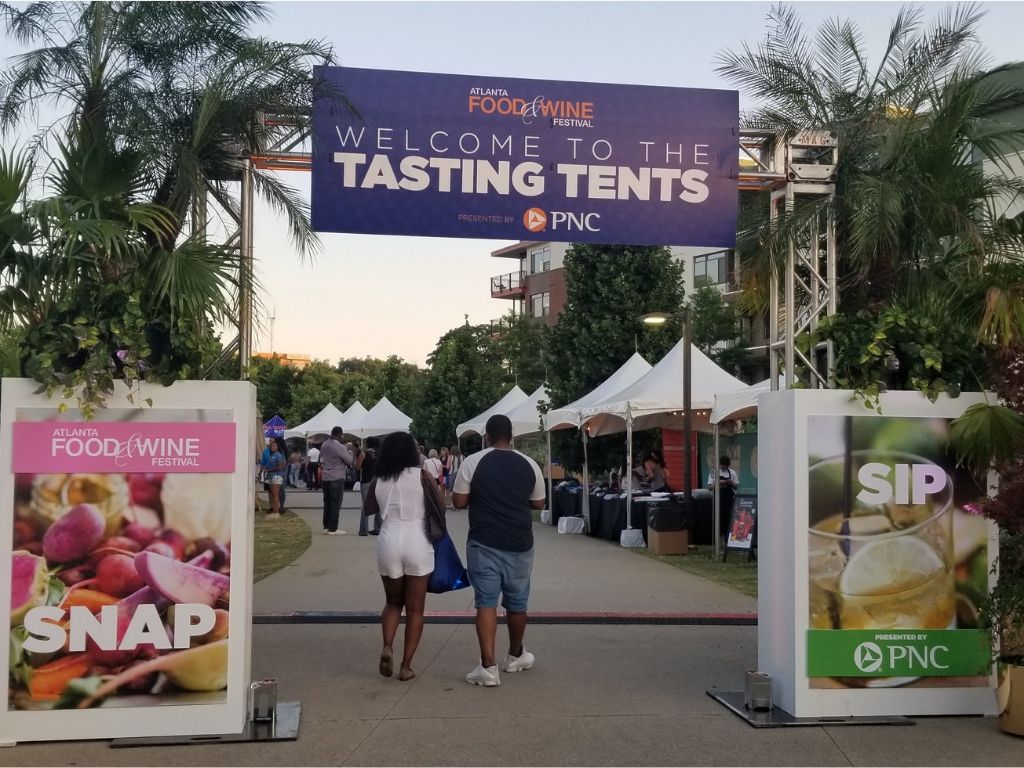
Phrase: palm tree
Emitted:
{"points": [[157, 105], [910, 190], [920, 225], [181, 83]]}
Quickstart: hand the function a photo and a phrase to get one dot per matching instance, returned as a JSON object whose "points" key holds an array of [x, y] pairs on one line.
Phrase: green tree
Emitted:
{"points": [[522, 348], [369, 379], [464, 377], [275, 384], [315, 386], [608, 288], [716, 330]]}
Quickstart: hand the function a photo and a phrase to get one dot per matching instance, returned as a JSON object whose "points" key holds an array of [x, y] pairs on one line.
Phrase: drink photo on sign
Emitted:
{"points": [[893, 546]]}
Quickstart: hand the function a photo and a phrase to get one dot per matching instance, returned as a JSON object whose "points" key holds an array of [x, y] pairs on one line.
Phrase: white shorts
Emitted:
{"points": [[277, 480], [403, 549]]}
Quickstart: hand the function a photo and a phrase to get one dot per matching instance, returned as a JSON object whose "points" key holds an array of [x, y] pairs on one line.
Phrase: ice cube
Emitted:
{"points": [[869, 525], [908, 515]]}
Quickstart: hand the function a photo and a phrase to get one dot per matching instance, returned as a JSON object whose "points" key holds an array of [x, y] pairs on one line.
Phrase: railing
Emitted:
{"points": [[509, 284], [500, 326]]}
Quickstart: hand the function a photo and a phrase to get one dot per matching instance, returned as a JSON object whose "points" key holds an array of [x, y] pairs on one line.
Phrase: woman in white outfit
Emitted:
{"points": [[405, 557]]}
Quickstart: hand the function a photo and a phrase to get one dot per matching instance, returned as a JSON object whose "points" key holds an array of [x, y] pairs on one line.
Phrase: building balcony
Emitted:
{"points": [[499, 327], [511, 285]]}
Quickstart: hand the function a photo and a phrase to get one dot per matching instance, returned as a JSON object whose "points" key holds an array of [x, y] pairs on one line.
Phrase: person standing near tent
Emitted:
{"points": [[274, 468], [366, 464], [654, 468], [433, 467], [313, 467], [336, 458], [294, 465], [499, 485], [728, 482]]}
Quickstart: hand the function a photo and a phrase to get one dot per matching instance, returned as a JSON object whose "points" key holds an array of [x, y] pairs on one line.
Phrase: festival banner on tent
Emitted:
{"points": [[127, 550], [507, 158]]}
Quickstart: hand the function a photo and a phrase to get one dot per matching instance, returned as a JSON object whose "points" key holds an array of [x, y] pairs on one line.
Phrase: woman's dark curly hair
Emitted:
{"points": [[397, 453]]}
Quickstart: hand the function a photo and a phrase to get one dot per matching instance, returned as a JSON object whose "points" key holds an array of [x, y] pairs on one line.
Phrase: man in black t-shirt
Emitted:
{"points": [[500, 486], [366, 464]]}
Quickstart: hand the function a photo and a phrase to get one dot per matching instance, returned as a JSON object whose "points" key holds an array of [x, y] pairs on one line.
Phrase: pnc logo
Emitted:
{"points": [[535, 220], [868, 657]]}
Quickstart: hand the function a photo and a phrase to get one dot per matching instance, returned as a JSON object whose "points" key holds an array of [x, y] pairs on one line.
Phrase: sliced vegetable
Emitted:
{"points": [[203, 668], [30, 583], [180, 582], [50, 680], [75, 534]]}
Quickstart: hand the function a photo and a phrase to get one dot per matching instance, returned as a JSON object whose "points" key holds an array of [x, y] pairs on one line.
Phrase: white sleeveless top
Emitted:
{"points": [[402, 498]]}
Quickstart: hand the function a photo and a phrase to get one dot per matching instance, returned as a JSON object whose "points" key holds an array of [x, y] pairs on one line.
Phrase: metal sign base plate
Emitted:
{"points": [[780, 718], [285, 727]]}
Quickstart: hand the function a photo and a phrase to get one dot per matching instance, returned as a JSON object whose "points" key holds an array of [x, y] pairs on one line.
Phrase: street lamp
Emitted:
{"points": [[658, 319]]}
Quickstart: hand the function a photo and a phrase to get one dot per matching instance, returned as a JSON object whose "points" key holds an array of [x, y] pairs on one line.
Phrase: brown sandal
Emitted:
{"points": [[386, 667], [406, 673]]}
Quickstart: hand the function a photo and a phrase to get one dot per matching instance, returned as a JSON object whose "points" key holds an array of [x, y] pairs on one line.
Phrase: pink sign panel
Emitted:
{"points": [[101, 447]]}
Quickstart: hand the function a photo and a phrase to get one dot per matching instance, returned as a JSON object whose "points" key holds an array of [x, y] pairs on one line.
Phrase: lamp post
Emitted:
{"points": [[658, 319]]}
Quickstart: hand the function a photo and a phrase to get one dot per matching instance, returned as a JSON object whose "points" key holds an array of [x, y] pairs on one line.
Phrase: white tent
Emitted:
{"points": [[321, 424], [383, 419], [353, 415], [475, 426], [741, 403], [525, 417], [656, 399], [568, 416]]}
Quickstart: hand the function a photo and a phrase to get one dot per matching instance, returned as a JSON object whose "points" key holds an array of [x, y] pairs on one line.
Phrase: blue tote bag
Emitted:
{"points": [[449, 572]]}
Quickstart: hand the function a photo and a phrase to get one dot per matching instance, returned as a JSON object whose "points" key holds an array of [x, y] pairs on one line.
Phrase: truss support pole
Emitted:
{"points": [[245, 283]]}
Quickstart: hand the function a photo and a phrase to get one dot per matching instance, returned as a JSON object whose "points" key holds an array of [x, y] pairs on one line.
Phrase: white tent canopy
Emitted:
{"points": [[656, 399], [383, 419], [568, 416], [321, 424], [475, 426], [742, 403], [525, 417], [353, 414]]}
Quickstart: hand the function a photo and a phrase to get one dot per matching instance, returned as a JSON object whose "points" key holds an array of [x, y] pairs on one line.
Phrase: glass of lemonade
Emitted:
{"points": [[882, 566]]}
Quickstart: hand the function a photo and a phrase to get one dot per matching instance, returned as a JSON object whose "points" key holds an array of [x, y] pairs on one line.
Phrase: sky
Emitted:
{"points": [[380, 295]]}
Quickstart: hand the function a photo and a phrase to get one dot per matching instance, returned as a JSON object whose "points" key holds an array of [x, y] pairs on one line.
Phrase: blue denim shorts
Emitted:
{"points": [[496, 572]]}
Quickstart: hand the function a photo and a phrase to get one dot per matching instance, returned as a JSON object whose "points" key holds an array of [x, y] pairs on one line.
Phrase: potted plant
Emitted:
{"points": [[989, 439]]}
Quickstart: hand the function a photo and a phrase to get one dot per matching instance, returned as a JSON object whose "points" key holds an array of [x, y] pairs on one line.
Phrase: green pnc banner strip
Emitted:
{"points": [[897, 653]]}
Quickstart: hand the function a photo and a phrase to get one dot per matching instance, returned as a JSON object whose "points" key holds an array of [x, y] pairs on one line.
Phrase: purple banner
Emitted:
{"points": [[506, 158]]}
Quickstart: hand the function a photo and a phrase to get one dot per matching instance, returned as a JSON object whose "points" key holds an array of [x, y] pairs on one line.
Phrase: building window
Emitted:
{"points": [[541, 304], [540, 260], [710, 269]]}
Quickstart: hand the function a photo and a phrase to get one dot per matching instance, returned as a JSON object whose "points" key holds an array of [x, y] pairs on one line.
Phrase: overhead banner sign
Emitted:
{"points": [[507, 158]]}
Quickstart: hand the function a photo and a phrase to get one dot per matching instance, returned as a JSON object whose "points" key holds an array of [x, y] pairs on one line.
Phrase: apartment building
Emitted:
{"points": [[535, 285]]}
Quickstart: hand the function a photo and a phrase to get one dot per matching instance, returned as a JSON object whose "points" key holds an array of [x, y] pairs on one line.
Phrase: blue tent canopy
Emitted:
{"points": [[275, 427]]}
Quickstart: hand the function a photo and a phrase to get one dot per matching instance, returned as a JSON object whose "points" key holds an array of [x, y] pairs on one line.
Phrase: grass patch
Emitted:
{"points": [[278, 542], [735, 572]]}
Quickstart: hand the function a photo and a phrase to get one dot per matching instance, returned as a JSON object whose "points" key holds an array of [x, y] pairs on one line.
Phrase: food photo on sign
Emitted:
{"points": [[120, 581]]}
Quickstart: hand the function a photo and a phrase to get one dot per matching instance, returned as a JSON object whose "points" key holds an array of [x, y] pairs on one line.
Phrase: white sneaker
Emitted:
{"points": [[338, 532], [519, 663], [485, 676], [273, 515]]}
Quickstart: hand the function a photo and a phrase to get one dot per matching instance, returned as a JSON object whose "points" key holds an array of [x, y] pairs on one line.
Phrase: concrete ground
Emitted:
{"points": [[604, 694]]}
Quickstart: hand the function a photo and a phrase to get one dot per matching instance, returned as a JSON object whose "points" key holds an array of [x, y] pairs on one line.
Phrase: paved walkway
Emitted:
{"points": [[599, 694]]}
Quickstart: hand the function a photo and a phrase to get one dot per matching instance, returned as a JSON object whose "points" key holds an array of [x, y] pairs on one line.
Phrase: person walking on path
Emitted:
{"points": [[313, 468], [500, 486], [454, 461], [366, 466], [405, 557], [335, 458], [294, 465], [434, 467]]}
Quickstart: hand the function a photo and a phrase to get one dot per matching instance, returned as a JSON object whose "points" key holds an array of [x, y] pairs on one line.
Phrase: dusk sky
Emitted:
{"points": [[381, 295]]}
